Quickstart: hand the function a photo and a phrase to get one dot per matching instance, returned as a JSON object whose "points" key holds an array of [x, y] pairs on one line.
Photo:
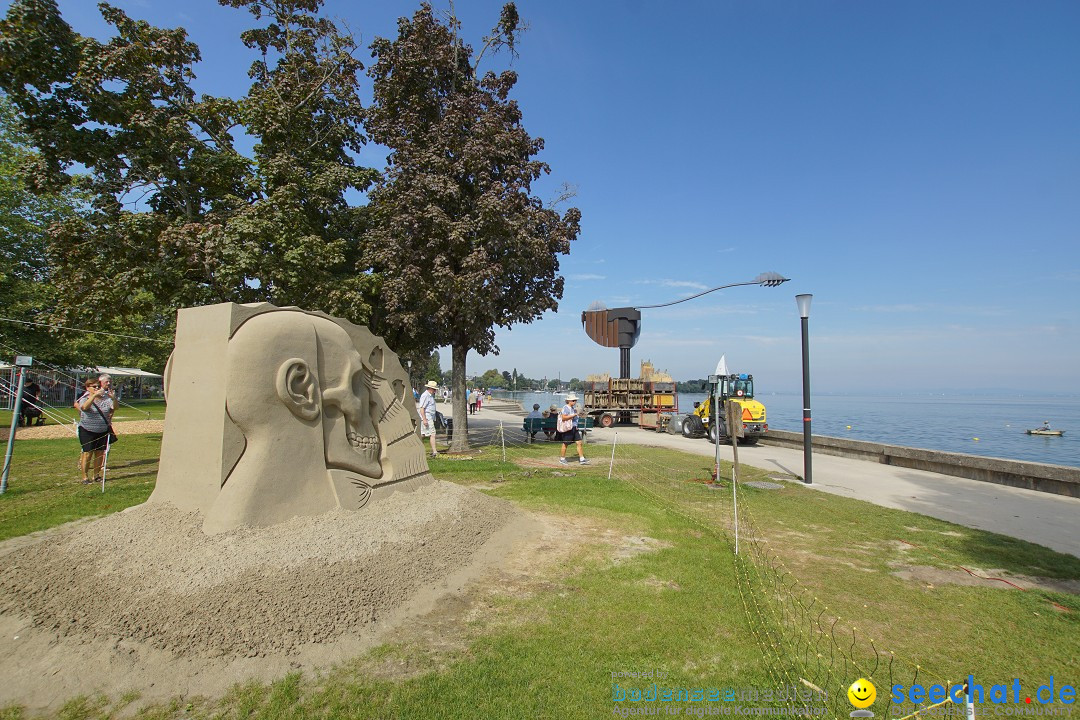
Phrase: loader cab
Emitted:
{"points": [[737, 386]]}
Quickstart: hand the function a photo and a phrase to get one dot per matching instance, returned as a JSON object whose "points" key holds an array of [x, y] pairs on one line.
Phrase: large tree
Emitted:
{"points": [[179, 215], [26, 290], [459, 239]]}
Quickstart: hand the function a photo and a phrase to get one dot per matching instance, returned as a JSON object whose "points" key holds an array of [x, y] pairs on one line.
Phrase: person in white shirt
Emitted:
{"points": [[568, 429], [426, 408]]}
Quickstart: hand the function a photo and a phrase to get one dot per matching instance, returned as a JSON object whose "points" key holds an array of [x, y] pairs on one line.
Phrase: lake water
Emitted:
{"points": [[934, 422]]}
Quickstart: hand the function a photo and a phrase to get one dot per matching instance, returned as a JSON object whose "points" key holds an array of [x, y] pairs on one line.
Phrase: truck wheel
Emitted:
{"points": [[693, 427], [607, 420]]}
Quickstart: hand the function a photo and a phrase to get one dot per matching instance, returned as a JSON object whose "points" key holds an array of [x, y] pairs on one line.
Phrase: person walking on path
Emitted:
{"points": [[472, 401], [567, 429], [95, 407], [427, 414]]}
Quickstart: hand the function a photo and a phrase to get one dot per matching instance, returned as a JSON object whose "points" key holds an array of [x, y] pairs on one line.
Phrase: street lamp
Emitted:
{"points": [[621, 327], [765, 279], [804, 313]]}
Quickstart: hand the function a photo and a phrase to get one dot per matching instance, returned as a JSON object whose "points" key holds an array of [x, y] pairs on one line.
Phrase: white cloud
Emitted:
{"points": [[586, 276], [673, 284]]}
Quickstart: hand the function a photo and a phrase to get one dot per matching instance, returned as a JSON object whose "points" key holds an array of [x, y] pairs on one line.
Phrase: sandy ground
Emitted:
{"points": [[52, 432], [143, 600]]}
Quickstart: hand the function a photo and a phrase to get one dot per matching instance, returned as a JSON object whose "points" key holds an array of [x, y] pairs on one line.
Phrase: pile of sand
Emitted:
{"points": [[146, 589]]}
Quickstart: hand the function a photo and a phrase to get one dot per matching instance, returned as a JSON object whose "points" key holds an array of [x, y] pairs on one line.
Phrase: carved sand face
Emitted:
{"points": [[349, 434]]}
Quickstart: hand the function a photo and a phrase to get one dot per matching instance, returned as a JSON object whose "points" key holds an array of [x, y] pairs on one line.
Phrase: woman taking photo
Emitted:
{"points": [[94, 406]]}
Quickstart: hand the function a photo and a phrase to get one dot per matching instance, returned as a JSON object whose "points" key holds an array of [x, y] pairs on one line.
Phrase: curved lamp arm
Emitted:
{"points": [[767, 279]]}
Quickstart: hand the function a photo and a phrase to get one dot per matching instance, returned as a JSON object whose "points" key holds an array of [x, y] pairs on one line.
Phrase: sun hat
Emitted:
{"points": [[571, 396], [432, 384]]}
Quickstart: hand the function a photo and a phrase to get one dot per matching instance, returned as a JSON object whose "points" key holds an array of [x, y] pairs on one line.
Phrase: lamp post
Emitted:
{"points": [[803, 302], [621, 327]]}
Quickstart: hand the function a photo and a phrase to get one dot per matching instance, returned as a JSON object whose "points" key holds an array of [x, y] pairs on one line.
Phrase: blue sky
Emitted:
{"points": [[914, 165]]}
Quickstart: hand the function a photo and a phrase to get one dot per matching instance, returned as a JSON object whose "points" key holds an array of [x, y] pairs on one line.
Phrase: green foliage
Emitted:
{"points": [[434, 368], [179, 216], [26, 288], [492, 379], [462, 244]]}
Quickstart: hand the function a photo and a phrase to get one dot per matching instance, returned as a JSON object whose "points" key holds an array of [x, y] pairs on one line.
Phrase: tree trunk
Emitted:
{"points": [[459, 398]]}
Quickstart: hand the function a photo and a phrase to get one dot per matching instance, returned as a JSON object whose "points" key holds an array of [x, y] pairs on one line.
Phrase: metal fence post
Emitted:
{"points": [[11, 433], [611, 465]]}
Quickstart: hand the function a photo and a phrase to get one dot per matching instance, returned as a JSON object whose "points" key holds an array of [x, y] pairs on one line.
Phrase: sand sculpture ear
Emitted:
{"points": [[298, 388]]}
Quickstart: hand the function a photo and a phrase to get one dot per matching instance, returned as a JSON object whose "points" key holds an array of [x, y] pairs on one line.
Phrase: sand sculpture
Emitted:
{"points": [[278, 412]]}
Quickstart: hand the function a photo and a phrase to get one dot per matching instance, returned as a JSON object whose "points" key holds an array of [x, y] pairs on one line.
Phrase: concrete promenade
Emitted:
{"points": [[1038, 517]]}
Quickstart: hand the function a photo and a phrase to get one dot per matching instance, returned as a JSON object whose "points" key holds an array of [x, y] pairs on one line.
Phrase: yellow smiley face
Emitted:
{"points": [[862, 693]]}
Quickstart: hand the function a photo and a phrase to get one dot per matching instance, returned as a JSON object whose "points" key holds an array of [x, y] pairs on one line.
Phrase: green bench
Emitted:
{"points": [[547, 425]]}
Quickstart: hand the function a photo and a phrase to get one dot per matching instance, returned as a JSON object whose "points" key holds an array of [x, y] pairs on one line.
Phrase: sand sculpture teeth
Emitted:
{"points": [[366, 442]]}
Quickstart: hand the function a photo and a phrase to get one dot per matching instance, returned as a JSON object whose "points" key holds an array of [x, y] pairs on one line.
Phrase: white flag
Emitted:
{"points": [[721, 367]]}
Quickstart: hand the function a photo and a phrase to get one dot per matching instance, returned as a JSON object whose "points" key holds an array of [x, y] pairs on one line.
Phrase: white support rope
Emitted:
{"points": [[47, 410], [93, 332]]}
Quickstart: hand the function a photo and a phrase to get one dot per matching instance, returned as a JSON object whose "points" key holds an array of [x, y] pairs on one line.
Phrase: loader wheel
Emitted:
{"points": [[607, 420], [693, 427]]}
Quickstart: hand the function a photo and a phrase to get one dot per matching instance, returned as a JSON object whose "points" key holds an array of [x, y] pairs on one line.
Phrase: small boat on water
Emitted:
{"points": [[1040, 431]]}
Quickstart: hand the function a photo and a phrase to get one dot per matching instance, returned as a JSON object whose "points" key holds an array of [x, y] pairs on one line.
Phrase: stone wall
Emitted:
{"points": [[1058, 479]]}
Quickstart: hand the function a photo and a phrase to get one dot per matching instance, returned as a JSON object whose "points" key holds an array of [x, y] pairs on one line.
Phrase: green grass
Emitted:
{"points": [[44, 490], [687, 608]]}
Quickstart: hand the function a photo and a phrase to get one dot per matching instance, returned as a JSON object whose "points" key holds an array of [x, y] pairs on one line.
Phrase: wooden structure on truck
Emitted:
{"points": [[647, 403]]}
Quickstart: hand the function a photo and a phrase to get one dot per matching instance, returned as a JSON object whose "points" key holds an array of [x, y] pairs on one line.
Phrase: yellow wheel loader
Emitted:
{"points": [[736, 388]]}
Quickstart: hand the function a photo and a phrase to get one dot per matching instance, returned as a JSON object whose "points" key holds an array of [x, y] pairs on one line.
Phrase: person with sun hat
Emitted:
{"points": [[567, 429], [426, 408]]}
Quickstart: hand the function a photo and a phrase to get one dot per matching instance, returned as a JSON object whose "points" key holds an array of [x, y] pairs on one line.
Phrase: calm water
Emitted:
{"points": [[935, 422]]}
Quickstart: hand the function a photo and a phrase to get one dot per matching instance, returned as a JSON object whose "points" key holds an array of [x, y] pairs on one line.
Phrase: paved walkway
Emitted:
{"points": [[1043, 518]]}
